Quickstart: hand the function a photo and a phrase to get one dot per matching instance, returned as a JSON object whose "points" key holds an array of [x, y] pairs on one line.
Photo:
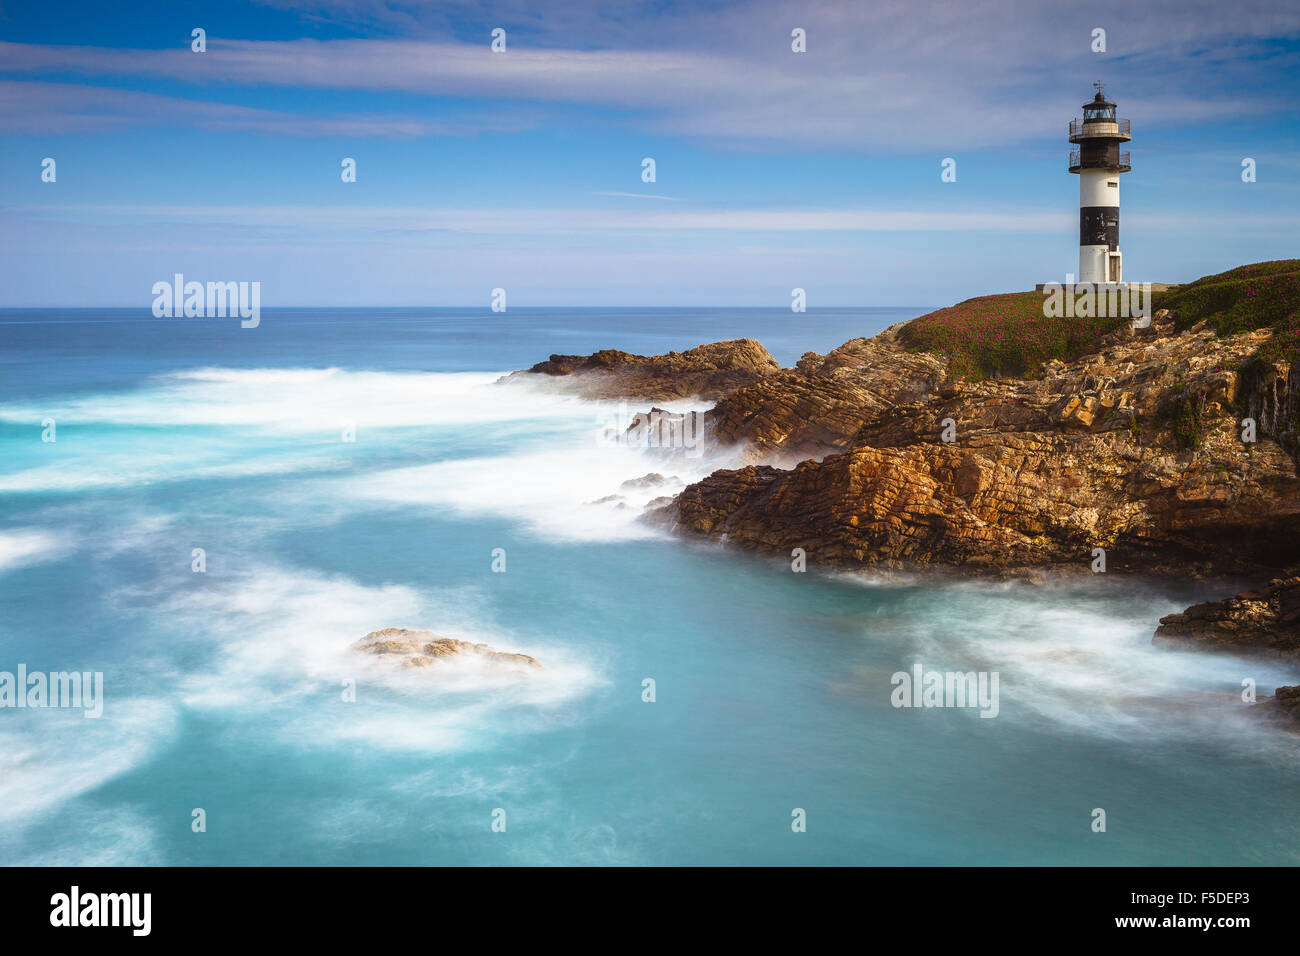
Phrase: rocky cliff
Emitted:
{"points": [[988, 438], [818, 406], [1136, 449]]}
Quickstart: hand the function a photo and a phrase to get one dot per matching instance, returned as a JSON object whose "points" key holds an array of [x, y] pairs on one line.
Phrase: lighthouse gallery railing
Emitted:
{"points": [[1076, 126], [1076, 159]]}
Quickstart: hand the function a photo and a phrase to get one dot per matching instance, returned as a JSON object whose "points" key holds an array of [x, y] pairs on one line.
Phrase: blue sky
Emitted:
{"points": [[522, 169]]}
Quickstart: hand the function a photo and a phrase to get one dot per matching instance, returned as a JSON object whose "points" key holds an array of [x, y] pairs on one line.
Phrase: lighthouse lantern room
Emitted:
{"points": [[1099, 161]]}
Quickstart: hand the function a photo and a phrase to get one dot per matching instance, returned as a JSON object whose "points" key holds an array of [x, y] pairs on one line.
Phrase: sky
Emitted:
{"points": [[523, 169]]}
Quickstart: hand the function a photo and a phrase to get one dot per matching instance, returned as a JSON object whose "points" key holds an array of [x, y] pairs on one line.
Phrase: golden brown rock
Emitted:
{"points": [[706, 372], [422, 648], [1263, 620], [1135, 449], [817, 407]]}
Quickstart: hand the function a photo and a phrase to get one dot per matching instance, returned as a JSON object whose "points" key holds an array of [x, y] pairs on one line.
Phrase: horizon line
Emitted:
{"points": [[477, 306]]}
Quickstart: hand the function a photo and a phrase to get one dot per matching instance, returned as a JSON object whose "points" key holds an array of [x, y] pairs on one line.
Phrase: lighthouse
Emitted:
{"points": [[1099, 161]]}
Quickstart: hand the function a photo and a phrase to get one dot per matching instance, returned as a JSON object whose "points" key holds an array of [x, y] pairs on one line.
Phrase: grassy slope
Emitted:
{"points": [[1262, 295], [997, 335]]}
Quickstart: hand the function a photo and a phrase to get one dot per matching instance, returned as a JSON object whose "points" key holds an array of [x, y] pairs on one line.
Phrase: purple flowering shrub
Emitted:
{"points": [[992, 336], [1257, 296]]}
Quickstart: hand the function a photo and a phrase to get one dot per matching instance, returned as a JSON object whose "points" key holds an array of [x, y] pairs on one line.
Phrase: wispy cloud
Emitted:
{"points": [[992, 75], [566, 220], [639, 196], [28, 108], [778, 168], [331, 220]]}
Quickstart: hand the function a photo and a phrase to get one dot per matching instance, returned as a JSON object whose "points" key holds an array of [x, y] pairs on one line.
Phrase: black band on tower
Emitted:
{"points": [[1099, 226], [1099, 154]]}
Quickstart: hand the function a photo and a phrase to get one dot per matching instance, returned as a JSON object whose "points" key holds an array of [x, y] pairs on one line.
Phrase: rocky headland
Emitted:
{"points": [[707, 372], [987, 438], [1012, 473]]}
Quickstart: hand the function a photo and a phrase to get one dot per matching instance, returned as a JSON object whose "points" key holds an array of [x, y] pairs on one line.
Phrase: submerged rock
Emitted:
{"points": [[422, 648]]}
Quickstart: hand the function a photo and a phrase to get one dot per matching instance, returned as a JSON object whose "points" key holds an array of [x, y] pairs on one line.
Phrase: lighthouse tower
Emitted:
{"points": [[1099, 161]]}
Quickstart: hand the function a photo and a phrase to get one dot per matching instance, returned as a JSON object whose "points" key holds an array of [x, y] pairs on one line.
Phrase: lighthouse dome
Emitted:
{"points": [[1099, 110]]}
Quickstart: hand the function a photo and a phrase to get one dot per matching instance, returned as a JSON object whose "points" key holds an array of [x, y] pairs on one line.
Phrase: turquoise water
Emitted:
{"points": [[224, 689]]}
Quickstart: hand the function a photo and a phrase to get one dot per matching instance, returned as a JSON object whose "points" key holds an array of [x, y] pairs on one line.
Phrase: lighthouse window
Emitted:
{"points": [[1113, 182]]}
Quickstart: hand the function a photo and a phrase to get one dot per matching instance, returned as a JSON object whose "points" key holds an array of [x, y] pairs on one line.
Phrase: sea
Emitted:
{"points": [[210, 517]]}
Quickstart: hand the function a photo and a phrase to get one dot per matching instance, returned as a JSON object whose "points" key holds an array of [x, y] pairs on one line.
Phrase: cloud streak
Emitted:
{"points": [[557, 221], [995, 74], [36, 108]]}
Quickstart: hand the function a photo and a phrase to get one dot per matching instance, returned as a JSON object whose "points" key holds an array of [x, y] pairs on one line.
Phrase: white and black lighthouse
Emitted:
{"points": [[1099, 161]]}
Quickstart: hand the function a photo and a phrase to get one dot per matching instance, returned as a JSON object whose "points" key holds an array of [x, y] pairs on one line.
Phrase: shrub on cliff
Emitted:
{"points": [[996, 335], [1185, 412], [1257, 296]]}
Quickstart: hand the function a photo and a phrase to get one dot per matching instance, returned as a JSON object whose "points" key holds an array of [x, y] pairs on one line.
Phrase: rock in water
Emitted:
{"points": [[707, 372], [1265, 620], [652, 480], [422, 648], [1283, 705]]}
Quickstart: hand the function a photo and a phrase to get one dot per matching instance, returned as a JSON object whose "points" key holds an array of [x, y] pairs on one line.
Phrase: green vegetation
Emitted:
{"points": [[1188, 418], [1262, 295], [992, 336], [1007, 335]]}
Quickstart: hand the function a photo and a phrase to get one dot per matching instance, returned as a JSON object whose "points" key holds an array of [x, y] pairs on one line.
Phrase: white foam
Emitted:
{"points": [[310, 401], [145, 468], [26, 546], [48, 756], [243, 423], [555, 493], [567, 484], [282, 640], [1070, 659]]}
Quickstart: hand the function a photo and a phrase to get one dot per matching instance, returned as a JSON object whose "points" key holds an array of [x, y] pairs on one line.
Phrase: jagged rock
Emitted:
{"points": [[818, 406], [1135, 449], [422, 648], [1265, 620], [707, 372], [1271, 396]]}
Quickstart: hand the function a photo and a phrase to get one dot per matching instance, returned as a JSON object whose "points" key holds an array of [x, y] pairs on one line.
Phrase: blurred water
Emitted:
{"points": [[224, 689]]}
